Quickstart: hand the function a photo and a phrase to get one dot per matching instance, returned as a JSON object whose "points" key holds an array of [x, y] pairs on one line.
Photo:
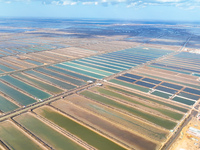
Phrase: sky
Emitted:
{"points": [[165, 10]]}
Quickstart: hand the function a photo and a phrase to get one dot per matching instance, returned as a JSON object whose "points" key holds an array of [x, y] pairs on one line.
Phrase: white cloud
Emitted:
{"points": [[132, 5], [191, 4], [73, 3], [90, 3], [167, 1], [54, 2]]}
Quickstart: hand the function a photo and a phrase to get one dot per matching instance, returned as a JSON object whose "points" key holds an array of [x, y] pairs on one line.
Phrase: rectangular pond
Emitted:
{"points": [[113, 60], [6, 105], [87, 73], [164, 89], [5, 68], [148, 85], [161, 94], [96, 66], [151, 80], [125, 79], [183, 100], [45, 86], [190, 96], [48, 134], [15, 138], [51, 80], [193, 91], [33, 62], [16, 95], [26, 87], [132, 76], [60, 68], [123, 97], [62, 77], [88, 69], [110, 63], [130, 85], [79, 130], [131, 93], [147, 116], [101, 64], [170, 85]]}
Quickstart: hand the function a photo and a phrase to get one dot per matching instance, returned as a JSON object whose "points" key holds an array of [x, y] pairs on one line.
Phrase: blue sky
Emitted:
{"points": [[183, 10]]}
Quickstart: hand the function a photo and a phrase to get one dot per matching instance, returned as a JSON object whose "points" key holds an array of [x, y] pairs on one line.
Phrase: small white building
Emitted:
{"points": [[89, 81], [194, 132], [99, 84]]}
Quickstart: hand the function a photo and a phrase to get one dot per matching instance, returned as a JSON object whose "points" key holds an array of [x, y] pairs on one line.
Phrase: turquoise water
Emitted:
{"points": [[97, 76], [126, 60], [130, 85], [161, 94], [27, 49], [42, 85], [85, 78], [34, 62], [102, 64], [6, 105], [18, 50], [190, 96], [27, 88], [110, 63], [183, 100], [174, 70], [52, 80], [34, 49], [16, 95], [62, 77], [12, 66], [88, 69], [95, 66], [196, 74], [5, 53], [173, 81], [7, 69], [180, 64], [115, 61]]}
